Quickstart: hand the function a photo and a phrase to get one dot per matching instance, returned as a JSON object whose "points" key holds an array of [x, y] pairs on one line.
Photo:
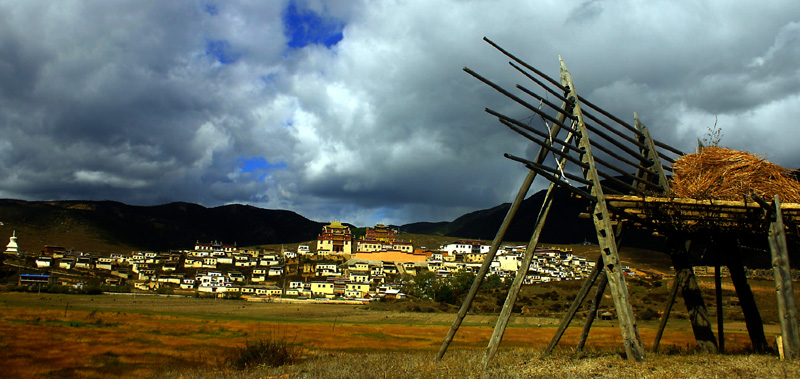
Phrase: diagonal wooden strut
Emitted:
{"points": [[584, 291], [498, 239], [605, 236], [513, 292]]}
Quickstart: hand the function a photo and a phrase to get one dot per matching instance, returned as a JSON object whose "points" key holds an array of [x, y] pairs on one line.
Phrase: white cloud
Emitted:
{"points": [[383, 126]]}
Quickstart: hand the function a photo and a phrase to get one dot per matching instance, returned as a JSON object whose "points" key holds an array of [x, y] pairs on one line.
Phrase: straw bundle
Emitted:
{"points": [[724, 174]]}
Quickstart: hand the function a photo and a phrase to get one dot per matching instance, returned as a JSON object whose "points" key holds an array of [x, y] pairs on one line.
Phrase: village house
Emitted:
{"points": [[187, 284], [85, 262], [236, 276], [172, 279], [146, 286], [225, 260], [249, 262], [356, 290], [44, 262], [359, 277], [209, 262], [326, 269], [193, 262], [105, 263], [67, 263], [215, 246], [268, 260], [122, 273], [147, 274], [322, 289], [212, 281], [170, 266], [259, 275]]}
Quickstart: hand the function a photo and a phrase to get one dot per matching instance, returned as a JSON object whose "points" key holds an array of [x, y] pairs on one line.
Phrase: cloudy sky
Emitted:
{"points": [[359, 111]]}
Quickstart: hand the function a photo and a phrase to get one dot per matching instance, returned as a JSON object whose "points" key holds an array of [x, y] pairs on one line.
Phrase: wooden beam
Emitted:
{"points": [[677, 283], [498, 239], [462, 312], [787, 306], [519, 278], [576, 303], [720, 310], [693, 298], [752, 317], [602, 283]]}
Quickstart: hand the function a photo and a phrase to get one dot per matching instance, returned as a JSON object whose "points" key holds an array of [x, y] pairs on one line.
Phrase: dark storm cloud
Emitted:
{"points": [[359, 111]]}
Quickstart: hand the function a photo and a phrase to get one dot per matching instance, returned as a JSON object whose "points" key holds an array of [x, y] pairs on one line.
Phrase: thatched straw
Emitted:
{"points": [[725, 174]]}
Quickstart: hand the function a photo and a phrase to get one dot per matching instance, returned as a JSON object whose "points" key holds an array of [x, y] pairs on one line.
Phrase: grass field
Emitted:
{"points": [[67, 336]]}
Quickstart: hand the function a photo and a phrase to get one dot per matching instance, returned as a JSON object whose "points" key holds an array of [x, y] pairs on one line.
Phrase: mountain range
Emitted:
{"points": [[107, 226]]}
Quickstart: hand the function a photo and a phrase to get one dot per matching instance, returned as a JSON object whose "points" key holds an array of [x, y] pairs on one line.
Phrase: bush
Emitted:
{"points": [[165, 290], [232, 295], [648, 314], [271, 353]]}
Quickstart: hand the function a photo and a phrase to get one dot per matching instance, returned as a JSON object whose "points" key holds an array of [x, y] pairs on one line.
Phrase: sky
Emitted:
{"points": [[359, 111]]}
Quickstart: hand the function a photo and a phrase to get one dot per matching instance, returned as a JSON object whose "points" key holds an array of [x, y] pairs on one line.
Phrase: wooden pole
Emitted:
{"points": [[598, 297], [752, 317], [513, 291], [462, 312], [787, 306], [720, 313], [576, 303], [693, 298], [498, 239], [605, 235], [680, 277], [601, 287]]}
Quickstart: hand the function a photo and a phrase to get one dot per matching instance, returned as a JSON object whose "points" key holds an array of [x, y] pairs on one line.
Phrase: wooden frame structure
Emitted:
{"points": [[588, 156]]}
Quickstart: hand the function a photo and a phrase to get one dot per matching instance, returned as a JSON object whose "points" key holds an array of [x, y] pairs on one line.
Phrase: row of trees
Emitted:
{"points": [[426, 285]]}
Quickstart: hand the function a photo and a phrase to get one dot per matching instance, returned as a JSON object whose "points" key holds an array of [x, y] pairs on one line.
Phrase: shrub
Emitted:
{"points": [[271, 353], [648, 314], [165, 290], [232, 295]]}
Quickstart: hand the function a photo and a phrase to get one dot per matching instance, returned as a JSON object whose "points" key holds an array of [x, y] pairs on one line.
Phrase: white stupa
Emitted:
{"points": [[12, 247]]}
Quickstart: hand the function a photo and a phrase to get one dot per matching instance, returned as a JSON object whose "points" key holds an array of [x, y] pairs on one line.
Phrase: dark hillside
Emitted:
{"points": [[563, 224], [112, 226]]}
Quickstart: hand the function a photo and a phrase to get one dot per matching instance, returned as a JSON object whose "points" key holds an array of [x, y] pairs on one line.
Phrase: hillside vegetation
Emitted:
{"points": [[107, 226]]}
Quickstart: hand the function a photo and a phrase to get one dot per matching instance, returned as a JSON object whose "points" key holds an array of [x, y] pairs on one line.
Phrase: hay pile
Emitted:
{"points": [[724, 174]]}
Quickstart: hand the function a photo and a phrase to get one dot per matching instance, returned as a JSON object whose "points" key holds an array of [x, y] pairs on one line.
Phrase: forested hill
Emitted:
{"points": [[105, 226]]}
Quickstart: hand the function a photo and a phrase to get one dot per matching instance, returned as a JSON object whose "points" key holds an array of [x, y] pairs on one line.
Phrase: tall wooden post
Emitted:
{"points": [[576, 303], [720, 313], [787, 306], [602, 283], [462, 312], [498, 239], [677, 283], [752, 317], [605, 233], [692, 297], [513, 291]]}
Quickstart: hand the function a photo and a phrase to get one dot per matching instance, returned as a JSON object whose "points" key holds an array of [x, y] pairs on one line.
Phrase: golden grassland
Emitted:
{"points": [[68, 336]]}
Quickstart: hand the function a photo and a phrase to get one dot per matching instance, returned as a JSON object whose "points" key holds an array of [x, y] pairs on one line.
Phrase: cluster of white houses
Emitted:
{"points": [[340, 266]]}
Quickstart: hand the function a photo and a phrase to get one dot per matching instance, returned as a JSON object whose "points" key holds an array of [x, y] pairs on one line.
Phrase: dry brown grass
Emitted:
{"points": [[192, 338], [718, 173], [513, 363]]}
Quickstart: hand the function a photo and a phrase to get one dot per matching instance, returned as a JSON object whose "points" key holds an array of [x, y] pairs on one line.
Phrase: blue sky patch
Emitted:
{"points": [[260, 164], [211, 9], [305, 27], [221, 51]]}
